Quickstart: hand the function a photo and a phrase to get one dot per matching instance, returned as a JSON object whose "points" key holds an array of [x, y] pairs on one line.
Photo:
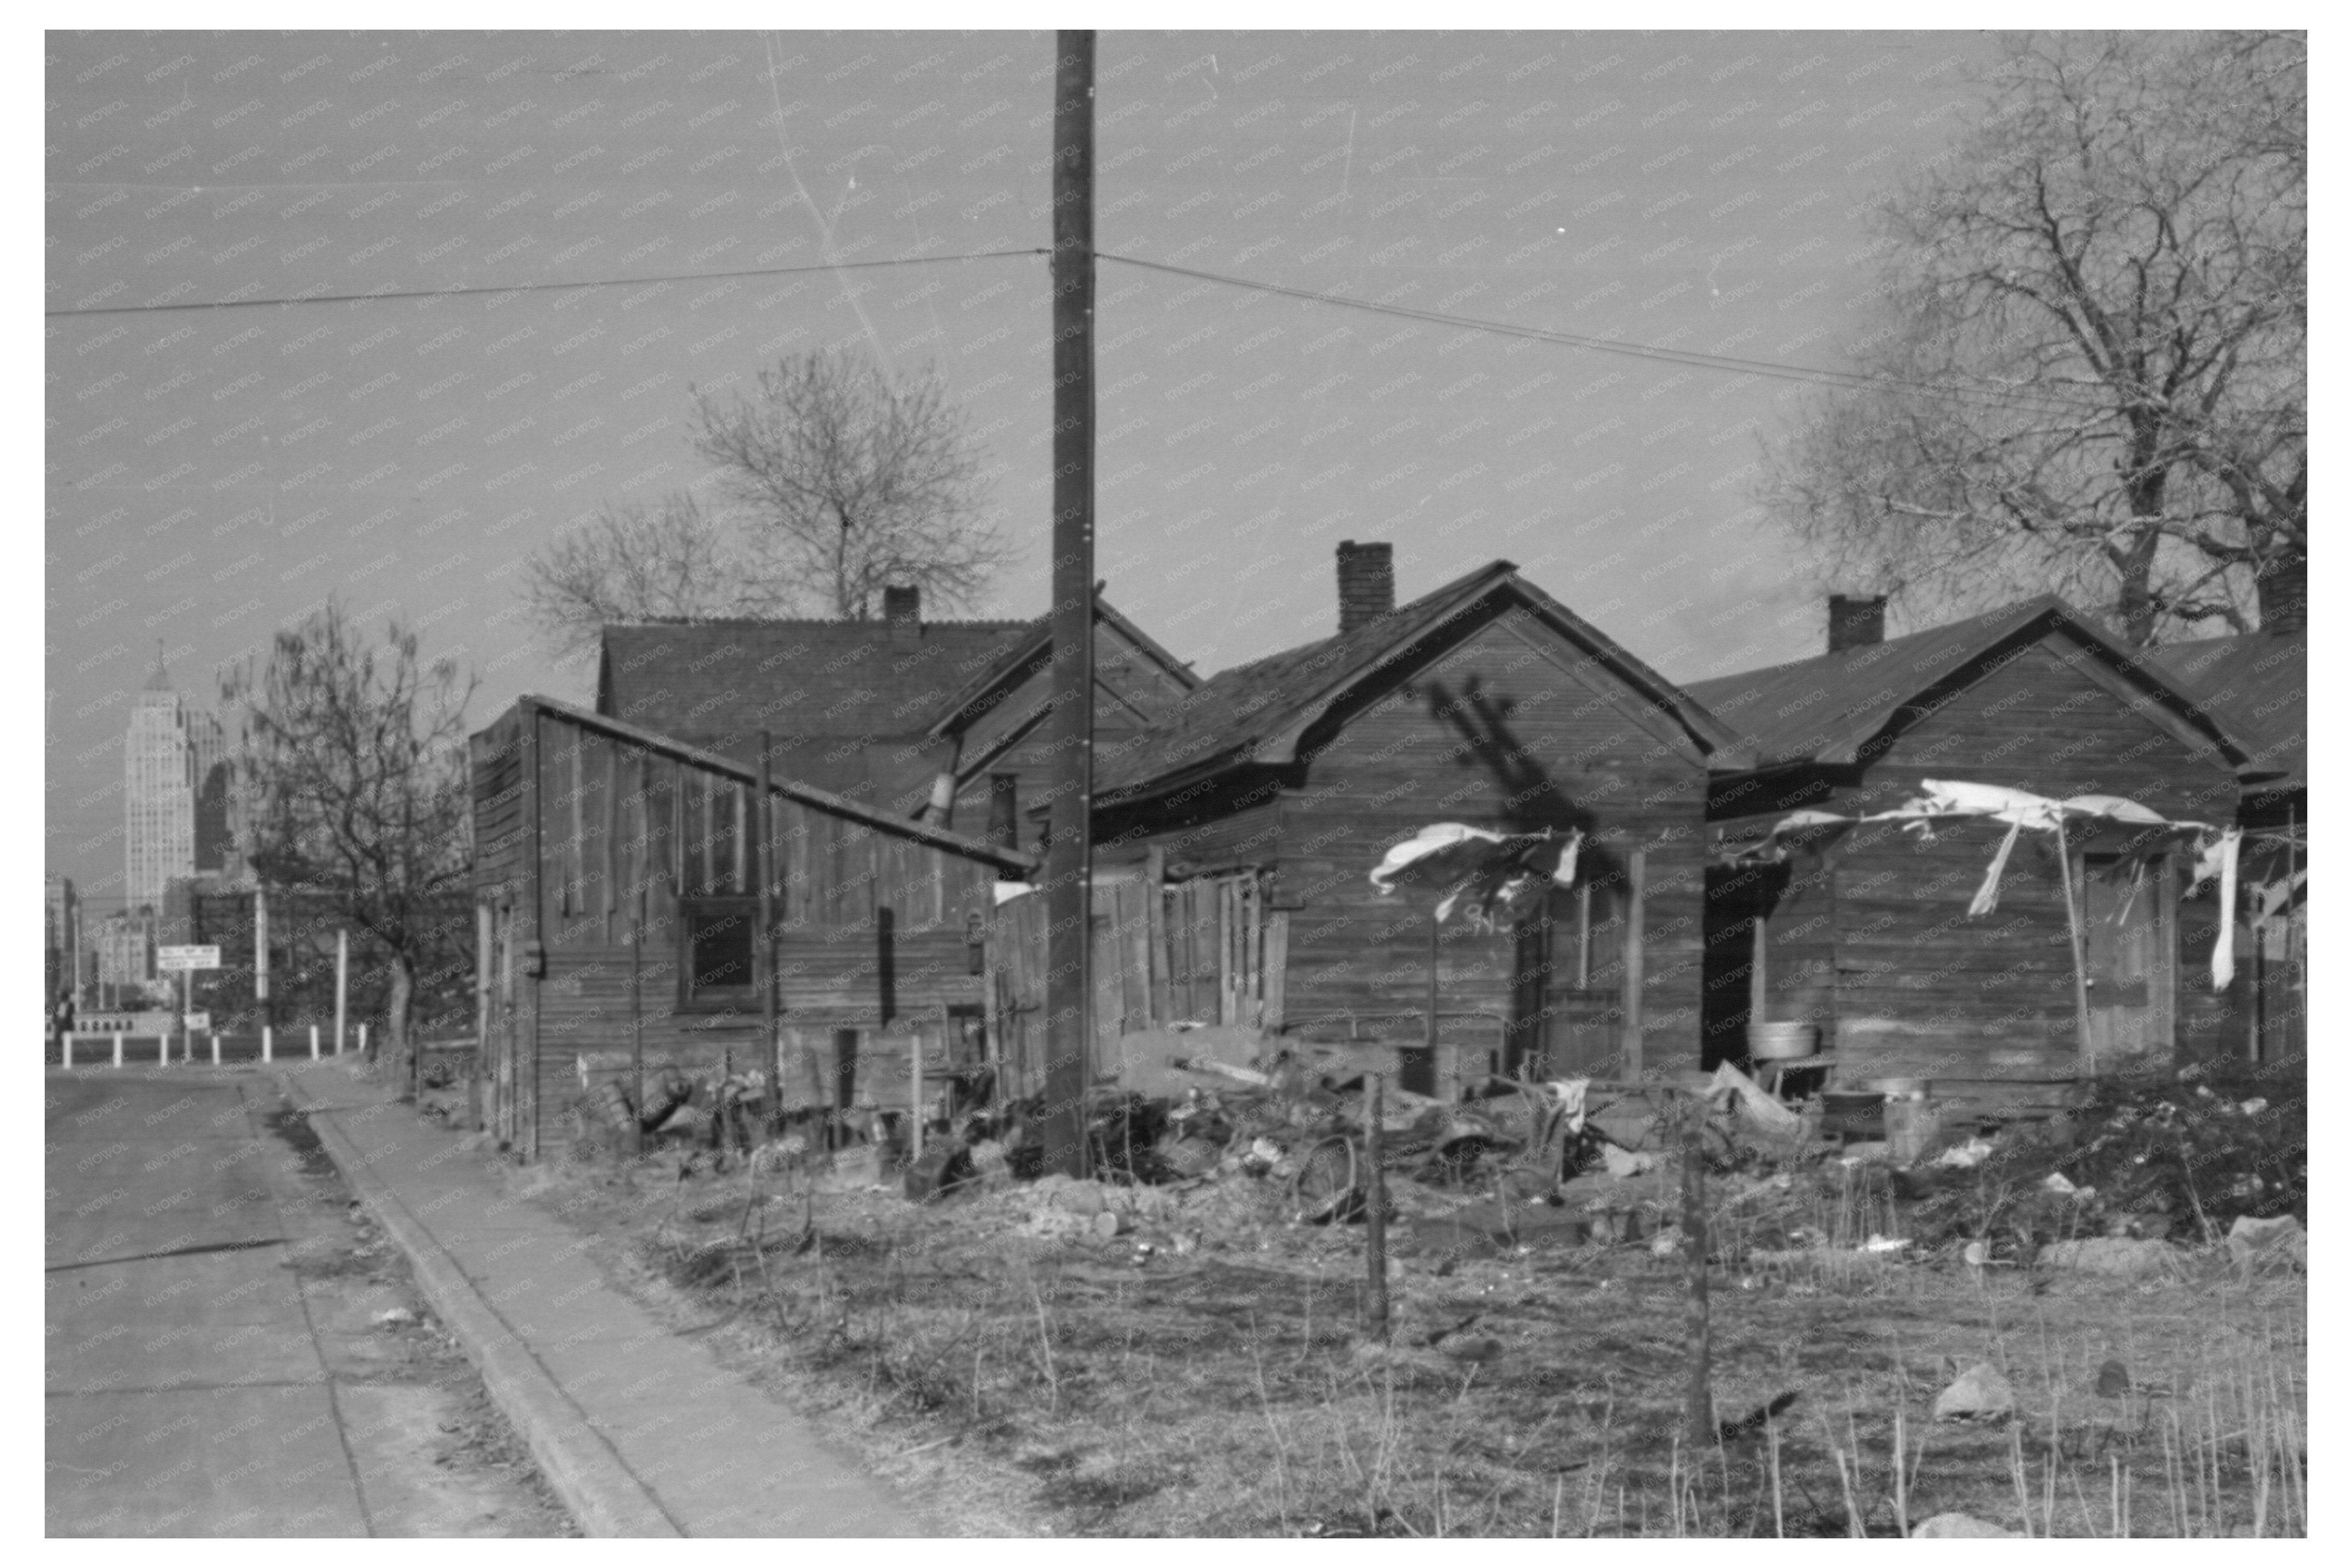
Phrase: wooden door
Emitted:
{"points": [[1581, 1021], [2127, 957]]}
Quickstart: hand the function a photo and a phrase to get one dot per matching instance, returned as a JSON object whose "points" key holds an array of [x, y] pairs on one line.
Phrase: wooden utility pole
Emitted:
{"points": [[763, 823], [1069, 853]]}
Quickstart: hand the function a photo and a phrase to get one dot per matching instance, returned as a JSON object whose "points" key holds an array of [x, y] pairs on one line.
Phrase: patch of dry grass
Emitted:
{"points": [[1231, 1391]]}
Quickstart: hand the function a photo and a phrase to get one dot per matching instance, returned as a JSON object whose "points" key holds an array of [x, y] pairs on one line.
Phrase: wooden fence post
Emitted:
{"points": [[1376, 1230], [1698, 1402], [1636, 869]]}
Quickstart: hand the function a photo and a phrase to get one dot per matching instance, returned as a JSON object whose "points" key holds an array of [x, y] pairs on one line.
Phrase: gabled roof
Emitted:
{"points": [[1011, 666], [2256, 684], [1258, 712], [840, 679], [1017, 861], [1826, 709]]}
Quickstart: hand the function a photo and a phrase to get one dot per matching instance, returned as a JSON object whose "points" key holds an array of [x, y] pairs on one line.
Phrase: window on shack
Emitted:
{"points": [[719, 969]]}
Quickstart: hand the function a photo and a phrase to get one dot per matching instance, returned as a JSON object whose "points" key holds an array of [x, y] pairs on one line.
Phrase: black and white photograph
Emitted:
{"points": [[1284, 783]]}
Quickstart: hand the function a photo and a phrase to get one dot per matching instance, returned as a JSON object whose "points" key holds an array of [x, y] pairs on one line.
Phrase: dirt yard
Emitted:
{"points": [[1199, 1363]]}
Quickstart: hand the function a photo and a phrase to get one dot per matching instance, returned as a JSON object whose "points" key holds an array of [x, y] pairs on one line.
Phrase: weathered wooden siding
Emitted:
{"points": [[1131, 688], [1509, 730], [1920, 989], [597, 839], [1507, 727]]}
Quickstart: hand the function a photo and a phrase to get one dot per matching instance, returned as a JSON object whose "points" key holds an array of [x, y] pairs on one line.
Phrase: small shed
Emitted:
{"points": [[1869, 936], [617, 898], [1234, 842]]}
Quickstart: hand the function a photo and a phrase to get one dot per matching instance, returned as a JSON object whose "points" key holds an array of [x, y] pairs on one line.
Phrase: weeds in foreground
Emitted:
{"points": [[1228, 1394]]}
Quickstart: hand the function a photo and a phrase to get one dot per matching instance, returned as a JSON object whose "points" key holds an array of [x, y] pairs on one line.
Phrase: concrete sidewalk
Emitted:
{"points": [[640, 1432]]}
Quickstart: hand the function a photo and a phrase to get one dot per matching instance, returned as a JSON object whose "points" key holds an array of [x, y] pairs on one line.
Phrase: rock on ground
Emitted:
{"points": [[1957, 1526], [1981, 1392], [2259, 1243]]}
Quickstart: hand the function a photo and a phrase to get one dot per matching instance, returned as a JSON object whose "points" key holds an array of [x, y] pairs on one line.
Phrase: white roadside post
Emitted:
{"points": [[216, 1051], [163, 1051], [342, 984], [363, 1039], [314, 1043], [265, 1042], [65, 1039], [118, 1051]]}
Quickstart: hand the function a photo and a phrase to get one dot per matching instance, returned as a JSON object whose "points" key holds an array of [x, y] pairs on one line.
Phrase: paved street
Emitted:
{"points": [[196, 1383]]}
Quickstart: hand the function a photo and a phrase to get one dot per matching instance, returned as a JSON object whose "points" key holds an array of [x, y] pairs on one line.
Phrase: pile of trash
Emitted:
{"points": [[2179, 1154]]}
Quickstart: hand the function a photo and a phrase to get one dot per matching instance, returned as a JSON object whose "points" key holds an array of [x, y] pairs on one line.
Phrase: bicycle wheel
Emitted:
{"points": [[1324, 1190]]}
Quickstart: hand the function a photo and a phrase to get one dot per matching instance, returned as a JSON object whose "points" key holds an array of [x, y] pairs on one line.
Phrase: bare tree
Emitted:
{"points": [[635, 561], [352, 784], [851, 480], [2090, 370]]}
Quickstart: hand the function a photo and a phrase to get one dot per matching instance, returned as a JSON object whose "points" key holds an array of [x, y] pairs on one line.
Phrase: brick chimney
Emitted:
{"points": [[2280, 591], [1367, 584], [1856, 622], [902, 611]]}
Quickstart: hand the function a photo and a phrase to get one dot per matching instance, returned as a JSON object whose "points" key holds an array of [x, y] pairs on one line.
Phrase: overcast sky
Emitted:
{"points": [[213, 472]]}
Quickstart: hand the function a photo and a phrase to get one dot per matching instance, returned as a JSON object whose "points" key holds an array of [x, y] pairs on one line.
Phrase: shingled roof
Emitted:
{"points": [[1826, 709], [819, 678], [1257, 712], [2257, 684], [1023, 657]]}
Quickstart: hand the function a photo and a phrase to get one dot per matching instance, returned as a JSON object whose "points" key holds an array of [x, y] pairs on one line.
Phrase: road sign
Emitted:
{"points": [[197, 1023], [169, 959]]}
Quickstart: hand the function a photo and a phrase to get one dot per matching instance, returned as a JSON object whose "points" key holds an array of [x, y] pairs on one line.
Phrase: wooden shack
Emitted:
{"points": [[1868, 935], [2257, 684], [617, 897], [1234, 842], [878, 710]]}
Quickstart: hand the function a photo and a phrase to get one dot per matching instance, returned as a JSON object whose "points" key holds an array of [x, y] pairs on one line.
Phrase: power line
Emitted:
{"points": [[1690, 358], [460, 290]]}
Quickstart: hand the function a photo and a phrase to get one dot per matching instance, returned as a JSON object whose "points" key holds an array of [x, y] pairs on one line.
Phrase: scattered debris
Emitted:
{"points": [[2266, 1243], [1964, 1156], [395, 1318], [1624, 1162], [1979, 1393]]}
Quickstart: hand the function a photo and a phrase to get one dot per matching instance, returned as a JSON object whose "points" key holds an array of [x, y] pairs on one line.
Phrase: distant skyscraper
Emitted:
{"points": [[60, 931], [175, 792]]}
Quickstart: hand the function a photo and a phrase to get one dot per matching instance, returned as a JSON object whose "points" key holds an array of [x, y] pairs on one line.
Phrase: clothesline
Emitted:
{"points": [[2219, 847]]}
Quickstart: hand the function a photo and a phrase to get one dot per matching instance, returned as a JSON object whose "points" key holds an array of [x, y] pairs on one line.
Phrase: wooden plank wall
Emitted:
{"points": [[1509, 732], [1204, 950], [1920, 989], [871, 926]]}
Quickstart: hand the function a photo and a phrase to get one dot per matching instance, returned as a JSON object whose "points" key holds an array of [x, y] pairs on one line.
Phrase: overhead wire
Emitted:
{"points": [[1691, 359], [462, 290]]}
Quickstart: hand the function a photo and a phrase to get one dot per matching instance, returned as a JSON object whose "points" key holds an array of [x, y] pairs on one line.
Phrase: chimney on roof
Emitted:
{"points": [[1367, 584], [1856, 622], [902, 610], [2280, 592]]}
